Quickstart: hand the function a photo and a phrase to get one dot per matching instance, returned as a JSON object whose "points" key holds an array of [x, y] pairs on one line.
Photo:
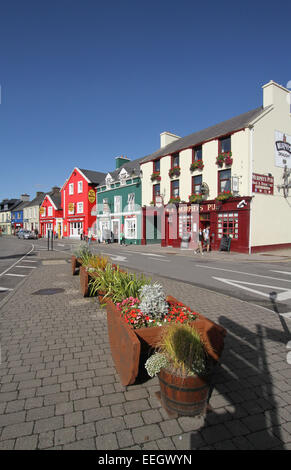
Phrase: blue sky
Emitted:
{"points": [[85, 81]]}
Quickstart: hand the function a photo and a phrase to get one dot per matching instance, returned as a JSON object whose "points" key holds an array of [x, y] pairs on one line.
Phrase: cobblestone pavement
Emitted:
{"points": [[59, 388]]}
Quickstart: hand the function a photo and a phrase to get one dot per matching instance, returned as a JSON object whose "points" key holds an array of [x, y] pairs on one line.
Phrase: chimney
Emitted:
{"points": [[24, 197], [167, 138], [275, 94], [121, 161], [39, 193], [56, 189]]}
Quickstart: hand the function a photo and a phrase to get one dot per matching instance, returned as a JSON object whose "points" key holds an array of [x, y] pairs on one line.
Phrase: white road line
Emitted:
{"points": [[242, 285], [282, 272], [29, 261], [162, 260], [29, 267], [286, 315], [18, 275], [8, 269], [3, 289], [241, 272]]}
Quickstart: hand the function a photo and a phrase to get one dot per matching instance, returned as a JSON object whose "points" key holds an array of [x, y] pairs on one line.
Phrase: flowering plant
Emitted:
{"points": [[195, 198], [224, 196], [224, 158], [156, 176], [176, 313], [174, 171], [198, 164], [172, 200]]}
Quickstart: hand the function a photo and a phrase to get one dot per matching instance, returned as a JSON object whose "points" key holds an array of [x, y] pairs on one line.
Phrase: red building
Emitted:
{"points": [[51, 213], [79, 202]]}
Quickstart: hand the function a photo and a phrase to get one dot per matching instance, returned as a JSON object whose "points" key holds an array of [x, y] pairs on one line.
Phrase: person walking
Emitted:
{"points": [[122, 240], [200, 242], [207, 238]]}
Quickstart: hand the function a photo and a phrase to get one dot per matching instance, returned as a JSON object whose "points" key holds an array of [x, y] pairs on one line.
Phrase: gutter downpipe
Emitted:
{"points": [[251, 128]]}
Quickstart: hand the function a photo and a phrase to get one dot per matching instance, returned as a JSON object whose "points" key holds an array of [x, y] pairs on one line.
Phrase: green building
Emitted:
{"points": [[119, 203]]}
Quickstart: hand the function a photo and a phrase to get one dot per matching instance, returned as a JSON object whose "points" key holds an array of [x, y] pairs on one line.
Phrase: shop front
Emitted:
{"points": [[180, 223]]}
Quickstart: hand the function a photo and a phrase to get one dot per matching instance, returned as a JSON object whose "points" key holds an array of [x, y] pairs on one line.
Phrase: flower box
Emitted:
{"points": [[224, 196], [174, 171], [156, 177], [76, 263], [195, 198], [130, 347], [174, 200], [224, 158], [197, 165]]}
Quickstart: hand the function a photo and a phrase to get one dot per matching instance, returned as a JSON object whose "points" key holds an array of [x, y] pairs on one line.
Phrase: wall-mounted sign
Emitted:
{"points": [[41, 210], [71, 207], [282, 149], [91, 196], [262, 184]]}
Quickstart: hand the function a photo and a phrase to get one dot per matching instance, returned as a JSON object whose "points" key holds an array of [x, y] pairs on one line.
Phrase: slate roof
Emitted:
{"points": [[56, 197], [12, 203], [37, 201], [20, 206], [130, 166], [95, 177], [218, 130]]}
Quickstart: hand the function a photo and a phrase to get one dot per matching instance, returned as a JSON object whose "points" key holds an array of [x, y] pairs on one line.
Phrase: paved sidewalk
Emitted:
{"points": [[59, 388]]}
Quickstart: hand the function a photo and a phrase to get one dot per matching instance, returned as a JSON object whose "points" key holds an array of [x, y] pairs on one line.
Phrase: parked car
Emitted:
{"points": [[26, 234]]}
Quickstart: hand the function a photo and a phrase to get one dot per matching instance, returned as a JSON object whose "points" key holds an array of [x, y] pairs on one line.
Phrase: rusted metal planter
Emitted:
{"points": [[128, 365], [76, 263]]}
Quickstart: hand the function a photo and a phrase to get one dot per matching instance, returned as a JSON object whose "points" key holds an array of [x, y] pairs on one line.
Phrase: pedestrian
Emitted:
{"points": [[122, 239], [207, 238], [200, 242], [89, 238]]}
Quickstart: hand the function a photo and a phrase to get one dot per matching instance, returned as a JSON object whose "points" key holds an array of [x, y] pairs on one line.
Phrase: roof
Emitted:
{"points": [[132, 166], [226, 127], [12, 203], [56, 198], [20, 206], [37, 200], [95, 177]]}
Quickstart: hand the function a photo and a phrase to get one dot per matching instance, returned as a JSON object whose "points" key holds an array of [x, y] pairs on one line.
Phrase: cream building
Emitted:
{"points": [[255, 152], [31, 212]]}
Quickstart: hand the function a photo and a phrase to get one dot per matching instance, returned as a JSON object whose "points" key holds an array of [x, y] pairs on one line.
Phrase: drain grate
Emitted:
{"points": [[51, 291]]}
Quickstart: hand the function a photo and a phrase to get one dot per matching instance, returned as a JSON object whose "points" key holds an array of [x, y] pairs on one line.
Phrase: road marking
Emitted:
{"points": [[286, 315], [29, 261], [8, 269], [3, 289], [149, 254], [282, 296], [282, 272], [162, 260], [18, 275], [29, 267], [115, 257], [241, 272]]}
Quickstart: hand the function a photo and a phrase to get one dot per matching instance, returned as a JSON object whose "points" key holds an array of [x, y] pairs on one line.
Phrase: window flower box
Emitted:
{"points": [[174, 200], [224, 196], [224, 158], [197, 165], [174, 171], [156, 176], [195, 198]]}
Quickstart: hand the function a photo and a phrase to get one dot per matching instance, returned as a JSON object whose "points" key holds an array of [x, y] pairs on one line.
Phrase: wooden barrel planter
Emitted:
{"points": [[212, 334], [186, 396]]}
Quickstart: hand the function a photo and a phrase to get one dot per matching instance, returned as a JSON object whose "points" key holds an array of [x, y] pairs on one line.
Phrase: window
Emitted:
{"points": [[156, 191], [130, 227], [79, 207], [225, 144], [131, 202], [157, 166], [80, 186], [175, 188], [175, 160], [71, 188], [224, 181], [197, 153], [196, 184], [117, 204], [228, 224], [50, 211]]}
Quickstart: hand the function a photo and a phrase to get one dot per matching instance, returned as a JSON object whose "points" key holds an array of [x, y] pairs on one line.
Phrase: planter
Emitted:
{"points": [[148, 338], [76, 263], [85, 277], [186, 396]]}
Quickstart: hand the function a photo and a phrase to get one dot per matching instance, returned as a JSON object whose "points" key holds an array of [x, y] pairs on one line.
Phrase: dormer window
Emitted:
{"points": [[108, 181], [122, 177]]}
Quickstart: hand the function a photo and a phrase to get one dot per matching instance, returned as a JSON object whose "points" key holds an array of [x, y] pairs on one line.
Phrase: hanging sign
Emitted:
{"points": [[282, 149], [41, 210], [91, 196]]}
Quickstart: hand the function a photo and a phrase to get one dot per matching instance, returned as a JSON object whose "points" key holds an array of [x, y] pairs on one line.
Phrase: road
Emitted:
{"points": [[17, 261], [267, 284]]}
